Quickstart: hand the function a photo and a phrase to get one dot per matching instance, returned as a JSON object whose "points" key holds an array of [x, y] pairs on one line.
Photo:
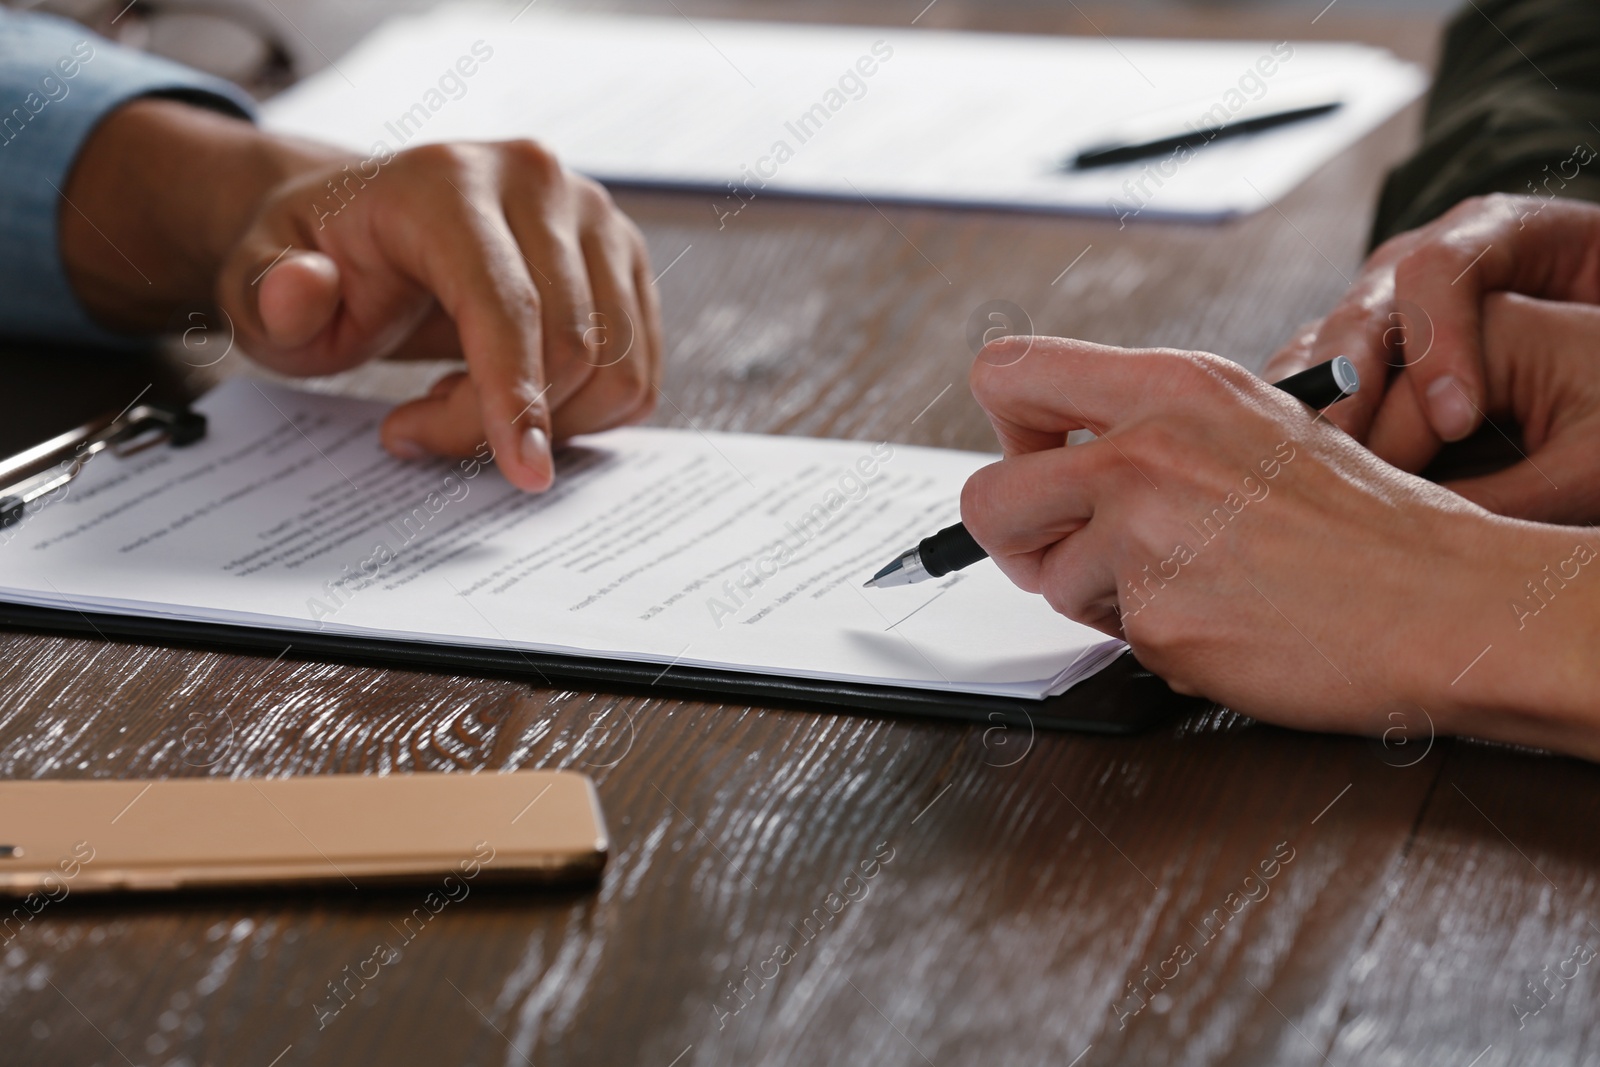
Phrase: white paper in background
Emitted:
{"points": [[944, 117], [660, 546]]}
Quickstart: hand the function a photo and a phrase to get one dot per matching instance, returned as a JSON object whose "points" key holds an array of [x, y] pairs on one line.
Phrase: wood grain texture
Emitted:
{"points": [[1019, 882]]}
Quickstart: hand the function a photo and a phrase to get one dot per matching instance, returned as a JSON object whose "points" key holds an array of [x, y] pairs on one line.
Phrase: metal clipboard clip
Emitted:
{"points": [[50, 465]]}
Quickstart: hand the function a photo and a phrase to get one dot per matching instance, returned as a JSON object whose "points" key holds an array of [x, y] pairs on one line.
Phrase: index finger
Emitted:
{"points": [[471, 263], [1036, 390]]}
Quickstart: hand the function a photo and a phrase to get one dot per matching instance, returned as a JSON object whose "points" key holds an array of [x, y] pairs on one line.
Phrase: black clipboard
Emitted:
{"points": [[1122, 698]]}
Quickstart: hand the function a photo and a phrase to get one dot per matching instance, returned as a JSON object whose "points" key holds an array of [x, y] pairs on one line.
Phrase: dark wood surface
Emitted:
{"points": [[1030, 878]]}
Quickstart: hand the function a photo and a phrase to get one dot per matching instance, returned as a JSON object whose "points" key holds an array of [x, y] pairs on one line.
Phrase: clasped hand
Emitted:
{"points": [[1417, 323]]}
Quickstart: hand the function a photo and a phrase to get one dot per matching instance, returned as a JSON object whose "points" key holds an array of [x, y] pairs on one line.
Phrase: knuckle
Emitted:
{"points": [[983, 380], [1154, 630], [1060, 602], [1226, 372], [1474, 213], [449, 158], [1429, 260], [982, 499], [1059, 577], [1005, 350], [570, 338], [1351, 315], [533, 160], [1480, 220], [975, 495], [531, 301], [1094, 465], [1393, 247], [594, 196], [531, 398], [1156, 446], [1473, 206], [1305, 335], [1185, 367], [634, 235], [1203, 375], [1501, 205]]}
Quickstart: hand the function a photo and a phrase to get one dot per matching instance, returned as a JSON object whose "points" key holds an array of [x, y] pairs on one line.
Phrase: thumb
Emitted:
{"points": [[298, 297], [1438, 319]]}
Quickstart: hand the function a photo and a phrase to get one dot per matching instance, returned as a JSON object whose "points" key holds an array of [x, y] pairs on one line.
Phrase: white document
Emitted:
{"points": [[743, 110], [731, 551]]}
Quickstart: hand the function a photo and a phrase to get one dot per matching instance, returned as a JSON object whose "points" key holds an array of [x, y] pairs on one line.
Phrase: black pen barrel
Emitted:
{"points": [[1323, 384], [951, 549]]}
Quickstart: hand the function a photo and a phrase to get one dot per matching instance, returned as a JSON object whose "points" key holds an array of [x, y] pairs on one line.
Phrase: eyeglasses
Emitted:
{"points": [[227, 38]]}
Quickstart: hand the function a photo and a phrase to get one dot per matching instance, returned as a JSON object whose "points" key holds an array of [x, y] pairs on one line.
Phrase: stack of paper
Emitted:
{"points": [[744, 110], [728, 551]]}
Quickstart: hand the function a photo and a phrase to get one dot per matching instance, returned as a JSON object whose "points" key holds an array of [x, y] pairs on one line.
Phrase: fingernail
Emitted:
{"points": [[536, 450], [407, 449], [1451, 413]]}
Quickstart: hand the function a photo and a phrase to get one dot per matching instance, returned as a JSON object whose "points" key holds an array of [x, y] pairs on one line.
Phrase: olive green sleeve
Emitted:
{"points": [[1515, 108]]}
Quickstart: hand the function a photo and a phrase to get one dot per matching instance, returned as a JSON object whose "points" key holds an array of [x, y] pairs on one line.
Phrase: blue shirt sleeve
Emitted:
{"points": [[57, 81]]}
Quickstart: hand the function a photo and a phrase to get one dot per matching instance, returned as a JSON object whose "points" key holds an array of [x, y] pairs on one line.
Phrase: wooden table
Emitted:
{"points": [[1024, 885]]}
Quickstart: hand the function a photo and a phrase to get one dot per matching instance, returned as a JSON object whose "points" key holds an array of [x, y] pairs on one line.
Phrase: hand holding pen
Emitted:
{"points": [[954, 548], [1244, 547]]}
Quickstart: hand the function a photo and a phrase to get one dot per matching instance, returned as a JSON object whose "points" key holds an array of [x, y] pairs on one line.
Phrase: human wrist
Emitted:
{"points": [[1523, 624], [167, 227]]}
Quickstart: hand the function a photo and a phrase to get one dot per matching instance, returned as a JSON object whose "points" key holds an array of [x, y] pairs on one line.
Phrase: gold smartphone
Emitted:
{"points": [[97, 835]]}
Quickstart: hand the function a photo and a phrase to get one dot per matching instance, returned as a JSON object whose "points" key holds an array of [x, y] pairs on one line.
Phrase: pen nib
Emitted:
{"points": [[884, 572], [894, 573]]}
